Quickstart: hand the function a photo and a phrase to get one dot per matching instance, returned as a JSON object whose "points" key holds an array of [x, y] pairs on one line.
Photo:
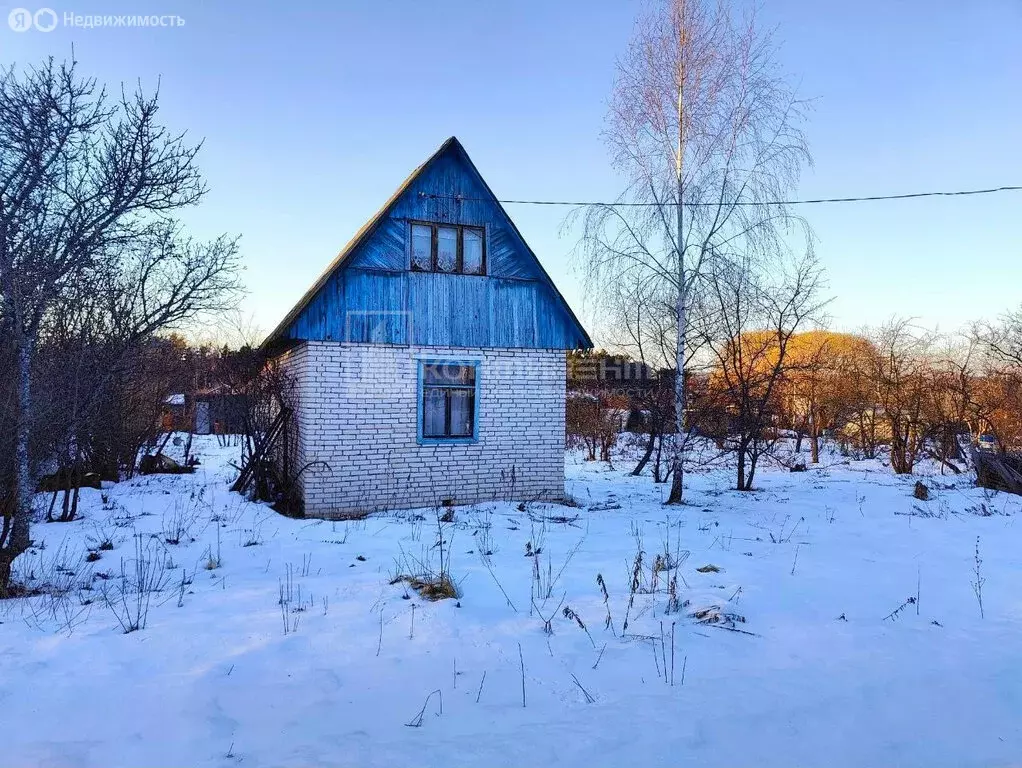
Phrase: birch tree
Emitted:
{"points": [[704, 130]]}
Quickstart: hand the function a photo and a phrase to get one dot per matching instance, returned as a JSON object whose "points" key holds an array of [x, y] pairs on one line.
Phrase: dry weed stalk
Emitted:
{"points": [[608, 622], [570, 614]]}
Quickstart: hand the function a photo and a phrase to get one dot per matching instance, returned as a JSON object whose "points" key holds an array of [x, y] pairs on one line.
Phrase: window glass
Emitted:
{"points": [[446, 249], [447, 374], [422, 247], [433, 412], [472, 253], [461, 401]]}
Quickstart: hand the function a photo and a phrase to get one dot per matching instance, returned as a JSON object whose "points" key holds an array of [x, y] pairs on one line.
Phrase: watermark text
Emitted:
{"points": [[47, 20]]}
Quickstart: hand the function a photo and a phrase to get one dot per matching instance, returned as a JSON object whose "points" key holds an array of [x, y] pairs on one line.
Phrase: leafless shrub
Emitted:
{"points": [[544, 580], [179, 521], [591, 424], [102, 538], [484, 533], [214, 562], [52, 592], [129, 597]]}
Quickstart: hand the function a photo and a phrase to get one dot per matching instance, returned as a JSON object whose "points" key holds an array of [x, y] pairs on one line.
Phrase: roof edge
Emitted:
{"points": [[357, 239], [274, 340]]}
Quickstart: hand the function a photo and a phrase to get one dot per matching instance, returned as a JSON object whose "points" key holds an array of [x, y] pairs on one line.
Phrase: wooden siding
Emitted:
{"points": [[446, 178], [430, 309], [373, 297], [387, 248]]}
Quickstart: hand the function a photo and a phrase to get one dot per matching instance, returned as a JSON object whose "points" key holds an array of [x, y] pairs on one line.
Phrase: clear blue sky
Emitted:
{"points": [[313, 112]]}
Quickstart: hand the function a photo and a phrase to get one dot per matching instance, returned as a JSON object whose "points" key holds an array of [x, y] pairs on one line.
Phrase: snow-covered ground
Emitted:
{"points": [[825, 669]]}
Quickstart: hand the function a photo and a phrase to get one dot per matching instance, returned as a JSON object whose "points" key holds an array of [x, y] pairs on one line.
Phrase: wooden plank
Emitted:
{"points": [[512, 313], [375, 309]]}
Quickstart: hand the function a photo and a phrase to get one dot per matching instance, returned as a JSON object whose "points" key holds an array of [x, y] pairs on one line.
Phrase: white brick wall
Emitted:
{"points": [[357, 412]]}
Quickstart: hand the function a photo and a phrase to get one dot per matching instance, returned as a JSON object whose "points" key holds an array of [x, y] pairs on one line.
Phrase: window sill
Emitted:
{"points": [[447, 440]]}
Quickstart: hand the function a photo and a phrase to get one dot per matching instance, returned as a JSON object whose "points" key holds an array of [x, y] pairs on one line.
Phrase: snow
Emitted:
{"points": [[213, 680], [178, 399]]}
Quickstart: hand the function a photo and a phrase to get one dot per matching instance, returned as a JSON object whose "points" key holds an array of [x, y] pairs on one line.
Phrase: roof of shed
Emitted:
{"points": [[370, 226]]}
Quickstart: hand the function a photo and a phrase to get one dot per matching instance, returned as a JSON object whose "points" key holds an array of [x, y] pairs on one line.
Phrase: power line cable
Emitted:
{"points": [[868, 198]]}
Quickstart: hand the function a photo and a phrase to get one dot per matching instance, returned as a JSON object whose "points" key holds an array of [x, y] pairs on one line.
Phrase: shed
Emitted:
{"points": [[428, 360]]}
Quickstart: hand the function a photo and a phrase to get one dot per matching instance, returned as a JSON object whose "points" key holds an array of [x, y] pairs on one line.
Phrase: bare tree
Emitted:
{"points": [[591, 423], [705, 130], [823, 387], [159, 282], [1003, 339], [82, 176], [639, 320], [902, 388], [759, 308]]}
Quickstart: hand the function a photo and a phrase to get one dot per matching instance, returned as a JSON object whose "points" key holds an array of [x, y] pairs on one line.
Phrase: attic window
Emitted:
{"points": [[452, 248]]}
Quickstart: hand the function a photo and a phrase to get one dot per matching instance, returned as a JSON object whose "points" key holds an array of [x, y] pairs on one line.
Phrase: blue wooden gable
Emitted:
{"points": [[370, 294]]}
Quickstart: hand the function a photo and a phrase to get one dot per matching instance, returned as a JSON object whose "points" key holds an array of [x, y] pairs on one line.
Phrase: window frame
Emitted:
{"points": [[459, 262], [420, 400]]}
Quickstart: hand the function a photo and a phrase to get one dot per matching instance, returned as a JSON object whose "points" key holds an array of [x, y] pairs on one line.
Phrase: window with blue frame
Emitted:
{"points": [[447, 400], [452, 248]]}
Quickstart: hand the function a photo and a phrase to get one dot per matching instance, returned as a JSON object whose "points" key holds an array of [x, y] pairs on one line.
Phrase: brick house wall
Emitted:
{"points": [[357, 411]]}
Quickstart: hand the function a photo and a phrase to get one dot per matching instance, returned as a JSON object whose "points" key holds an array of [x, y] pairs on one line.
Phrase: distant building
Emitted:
{"points": [[609, 368], [211, 410], [429, 358]]}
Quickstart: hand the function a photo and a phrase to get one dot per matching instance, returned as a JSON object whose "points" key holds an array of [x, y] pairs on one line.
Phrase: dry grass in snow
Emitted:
{"points": [[830, 618]]}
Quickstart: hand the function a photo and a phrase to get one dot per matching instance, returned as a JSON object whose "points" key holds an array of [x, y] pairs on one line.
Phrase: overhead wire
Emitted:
{"points": [[811, 201]]}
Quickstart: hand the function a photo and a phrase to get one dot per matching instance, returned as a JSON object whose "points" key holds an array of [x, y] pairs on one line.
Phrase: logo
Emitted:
{"points": [[22, 20], [45, 20]]}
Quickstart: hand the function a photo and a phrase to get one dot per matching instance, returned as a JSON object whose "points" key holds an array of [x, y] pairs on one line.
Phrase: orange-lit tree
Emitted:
{"points": [[824, 385], [758, 310]]}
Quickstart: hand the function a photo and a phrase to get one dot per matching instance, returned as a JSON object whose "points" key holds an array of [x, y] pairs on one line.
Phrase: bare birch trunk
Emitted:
{"points": [[677, 461], [23, 470], [18, 540], [677, 482]]}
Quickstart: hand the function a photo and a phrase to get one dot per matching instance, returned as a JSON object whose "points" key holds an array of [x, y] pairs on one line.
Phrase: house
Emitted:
{"points": [[216, 409], [428, 361], [219, 410]]}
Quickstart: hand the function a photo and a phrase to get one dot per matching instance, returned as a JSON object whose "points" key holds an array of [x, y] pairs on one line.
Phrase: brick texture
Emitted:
{"points": [[356, 410]]}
